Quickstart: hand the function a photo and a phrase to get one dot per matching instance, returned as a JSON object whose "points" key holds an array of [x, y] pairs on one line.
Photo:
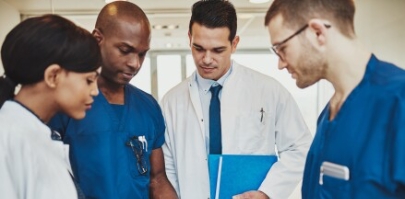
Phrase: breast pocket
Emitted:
{"points": [[138, 149], [252, 131], [333, 187]]}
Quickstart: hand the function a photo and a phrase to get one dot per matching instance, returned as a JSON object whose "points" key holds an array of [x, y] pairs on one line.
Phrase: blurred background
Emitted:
{"points": [[380, 25]]}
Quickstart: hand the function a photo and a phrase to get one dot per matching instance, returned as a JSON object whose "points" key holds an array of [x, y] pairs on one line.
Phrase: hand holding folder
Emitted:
{"points": [[234, 174]]}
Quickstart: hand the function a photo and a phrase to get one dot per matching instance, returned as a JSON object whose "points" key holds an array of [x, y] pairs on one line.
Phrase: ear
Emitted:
{"points": [[320, 31], [98, 35], [52, 75], [189, 38], [235, 43]]}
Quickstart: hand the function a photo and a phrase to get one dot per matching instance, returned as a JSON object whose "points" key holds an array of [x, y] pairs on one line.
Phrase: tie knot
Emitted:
{"points": [[215, 90]]}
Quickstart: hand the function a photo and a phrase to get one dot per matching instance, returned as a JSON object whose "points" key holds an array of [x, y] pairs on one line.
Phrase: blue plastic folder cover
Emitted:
{"points": [[235, 174]]}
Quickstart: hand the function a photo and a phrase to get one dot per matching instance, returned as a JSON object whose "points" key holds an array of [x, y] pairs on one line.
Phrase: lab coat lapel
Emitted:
{"points": [[195, 101]]}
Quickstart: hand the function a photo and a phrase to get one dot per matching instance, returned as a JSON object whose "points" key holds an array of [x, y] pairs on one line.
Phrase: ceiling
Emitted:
{"points": [[251, 30], [160, 12]]}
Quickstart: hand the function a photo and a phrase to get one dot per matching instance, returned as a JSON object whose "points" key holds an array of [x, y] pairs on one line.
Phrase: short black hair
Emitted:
{"points": [[214, 14], [38, 42]]}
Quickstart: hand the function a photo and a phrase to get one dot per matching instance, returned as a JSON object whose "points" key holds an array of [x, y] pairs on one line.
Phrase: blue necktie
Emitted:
{"points": [[215, 121]]}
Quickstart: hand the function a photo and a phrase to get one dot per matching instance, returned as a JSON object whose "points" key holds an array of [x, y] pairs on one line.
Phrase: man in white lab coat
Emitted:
{"points": [[257, 114]]}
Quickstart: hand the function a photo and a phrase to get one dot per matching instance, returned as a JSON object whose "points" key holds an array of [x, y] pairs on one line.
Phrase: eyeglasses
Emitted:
{"points": [[56, 135], [276, 47], [137, 145]]}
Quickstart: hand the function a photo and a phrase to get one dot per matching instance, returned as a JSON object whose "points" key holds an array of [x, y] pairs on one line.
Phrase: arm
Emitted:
{"points": [[292, 140], [168, 150], [7, 182], [160, 187], [170, 166]]}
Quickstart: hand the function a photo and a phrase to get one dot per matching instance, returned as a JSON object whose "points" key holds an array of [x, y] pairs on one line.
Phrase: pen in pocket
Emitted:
{"points": [[333, 170]]}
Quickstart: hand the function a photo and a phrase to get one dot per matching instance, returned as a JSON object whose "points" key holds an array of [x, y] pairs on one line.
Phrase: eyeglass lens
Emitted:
{"points": [[137, 148]]}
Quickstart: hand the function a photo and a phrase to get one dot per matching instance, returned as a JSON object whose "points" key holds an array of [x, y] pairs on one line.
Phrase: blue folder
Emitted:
{"points": [[234, 174]]}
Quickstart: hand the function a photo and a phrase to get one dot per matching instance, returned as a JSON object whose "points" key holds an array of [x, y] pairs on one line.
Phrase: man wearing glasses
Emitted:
{"points": [[358, 150], [226, 108]]}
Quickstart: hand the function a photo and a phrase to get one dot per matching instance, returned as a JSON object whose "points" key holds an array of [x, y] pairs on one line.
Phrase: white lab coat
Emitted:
{"points": [[244, 94], [32, 165]]}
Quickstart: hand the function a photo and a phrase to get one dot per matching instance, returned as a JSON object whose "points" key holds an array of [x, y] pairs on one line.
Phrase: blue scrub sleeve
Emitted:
{"points": [[399, 144], [160, 129]]}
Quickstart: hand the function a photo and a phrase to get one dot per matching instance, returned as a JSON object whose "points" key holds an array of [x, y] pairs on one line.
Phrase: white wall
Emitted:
{"points": [[9, 17], [380, 26]]}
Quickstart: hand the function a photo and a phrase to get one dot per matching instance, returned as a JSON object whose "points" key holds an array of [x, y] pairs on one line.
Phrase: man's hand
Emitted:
{"points": [[251, 195]]}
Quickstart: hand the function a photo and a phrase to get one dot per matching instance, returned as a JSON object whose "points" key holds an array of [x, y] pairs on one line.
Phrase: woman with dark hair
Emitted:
{"points": [[56, 63]]}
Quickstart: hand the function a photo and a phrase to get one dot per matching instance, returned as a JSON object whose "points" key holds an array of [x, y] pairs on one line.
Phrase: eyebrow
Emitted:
{"points": [[216, 48], [123, 44], [133, 49]]}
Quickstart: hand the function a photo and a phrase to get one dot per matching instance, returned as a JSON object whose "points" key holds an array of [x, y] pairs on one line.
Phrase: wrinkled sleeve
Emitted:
{"points": [[160, 129], [168, 150], [7, 190], [8, 180]]}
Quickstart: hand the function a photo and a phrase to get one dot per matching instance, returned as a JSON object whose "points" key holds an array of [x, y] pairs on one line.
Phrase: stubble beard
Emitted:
{"points": [[311, 67]]}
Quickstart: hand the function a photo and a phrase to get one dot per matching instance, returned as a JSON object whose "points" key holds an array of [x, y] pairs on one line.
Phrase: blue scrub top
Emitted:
{"points": [[103, 164], [367, 135]]}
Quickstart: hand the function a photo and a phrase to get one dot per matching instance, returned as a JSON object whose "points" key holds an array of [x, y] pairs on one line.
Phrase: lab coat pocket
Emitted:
{"points": [[249, 131], [332, 187]]}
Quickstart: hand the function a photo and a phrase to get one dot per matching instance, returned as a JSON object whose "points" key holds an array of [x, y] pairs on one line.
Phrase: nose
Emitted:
{"points": [[134, 62], [94, 90], [281, 64], [207, 59]]}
